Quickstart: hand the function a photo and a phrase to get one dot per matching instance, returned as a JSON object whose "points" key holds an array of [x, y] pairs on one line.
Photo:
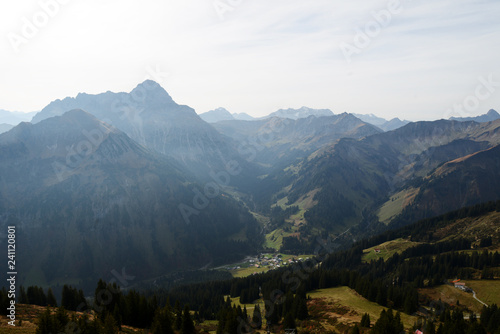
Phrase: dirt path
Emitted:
{"points": [[474, 295]]}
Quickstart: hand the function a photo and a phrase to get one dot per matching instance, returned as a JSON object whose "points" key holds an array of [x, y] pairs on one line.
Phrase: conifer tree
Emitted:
{"points": [[257, 317], [162, 322], [289, 321], [365, 320], [109, 326], [245, 313], [178, 316], [187, 322], [51, 299], [23, 298]]}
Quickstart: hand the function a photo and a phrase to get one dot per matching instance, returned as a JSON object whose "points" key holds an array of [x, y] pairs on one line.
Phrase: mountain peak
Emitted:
{"points": [[303, 112], [243, 117], [80, 117], [75, 120], [150, 88], [76, 113], [149, 85], [216, 115], [493, 113]]}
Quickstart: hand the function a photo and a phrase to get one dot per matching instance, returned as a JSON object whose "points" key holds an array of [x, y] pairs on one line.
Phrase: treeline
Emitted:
{"points": [[434, 263], [332, 210], [165, 321], [235, 320], [206, 298], [173, 280], [437, 248], [435, 267], [422, 229], [388, 323], [112, 309], [4, 301], [452, 321], [35, 295], [61, 322], [278, 215], [412, 213], [400, 225], [293, 245], [449, 321]]}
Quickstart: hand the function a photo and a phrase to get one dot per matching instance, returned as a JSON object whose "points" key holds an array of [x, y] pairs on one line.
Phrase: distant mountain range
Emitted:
{"points": [[276, 142], [9, 119], [381, 123], [303, 112], [135, 180], [221, 114], [491, 115], [15, 117], [5, 127]]}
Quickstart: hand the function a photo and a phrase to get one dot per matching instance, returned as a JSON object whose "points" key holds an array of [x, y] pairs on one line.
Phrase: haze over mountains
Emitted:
{"points": [[221, 114], [86, 199], [491, 115], [9, 119], [135, 180], [149, 116], [15, 117], [5, 127], [276, 142]]}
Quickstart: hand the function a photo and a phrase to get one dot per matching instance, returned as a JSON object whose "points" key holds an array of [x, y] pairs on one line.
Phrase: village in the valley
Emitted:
{"points": [[262, 263]]}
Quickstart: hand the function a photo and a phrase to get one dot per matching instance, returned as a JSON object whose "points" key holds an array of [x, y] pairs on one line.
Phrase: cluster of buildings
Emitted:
{"points": [[268, 261], [273, 261], [459, 285]]}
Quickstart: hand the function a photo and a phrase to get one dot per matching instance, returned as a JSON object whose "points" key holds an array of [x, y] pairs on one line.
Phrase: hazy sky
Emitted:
{"points": [[411, 59]]}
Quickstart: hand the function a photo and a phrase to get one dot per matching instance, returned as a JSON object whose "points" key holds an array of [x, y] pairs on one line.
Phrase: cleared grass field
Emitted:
{"points": [[244, 272], [395, 205], [451, 295], [209, 326], [486, 290], [387, 249], [250, 307], [275, 239], [282, 203], [348, 306]]}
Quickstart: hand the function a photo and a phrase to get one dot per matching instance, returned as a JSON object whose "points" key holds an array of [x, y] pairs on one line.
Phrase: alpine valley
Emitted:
{"points": [[102, 185]]}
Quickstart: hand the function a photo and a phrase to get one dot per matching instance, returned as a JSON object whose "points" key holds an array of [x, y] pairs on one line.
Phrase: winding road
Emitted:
{"points": [[474, 295]]}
